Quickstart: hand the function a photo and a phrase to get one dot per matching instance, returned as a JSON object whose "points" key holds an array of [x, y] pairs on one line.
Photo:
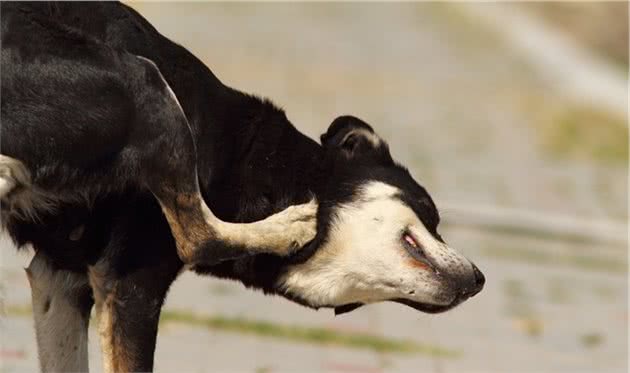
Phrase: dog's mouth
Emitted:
{"points": [[423, 307], [428, 308]]}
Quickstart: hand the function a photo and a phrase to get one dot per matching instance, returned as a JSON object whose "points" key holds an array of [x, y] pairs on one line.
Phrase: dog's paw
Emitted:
{"points": [[302, 233], [298, 226]]}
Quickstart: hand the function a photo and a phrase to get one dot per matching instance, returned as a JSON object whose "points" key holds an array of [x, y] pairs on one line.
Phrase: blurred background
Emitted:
{"points": [[512, 115]]}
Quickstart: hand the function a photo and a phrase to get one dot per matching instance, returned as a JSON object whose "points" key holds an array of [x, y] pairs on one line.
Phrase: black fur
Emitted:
{"points": [[251, 161]]}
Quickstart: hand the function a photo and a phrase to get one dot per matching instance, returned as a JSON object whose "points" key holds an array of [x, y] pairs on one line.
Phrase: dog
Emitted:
{"points": [[377, 229]]}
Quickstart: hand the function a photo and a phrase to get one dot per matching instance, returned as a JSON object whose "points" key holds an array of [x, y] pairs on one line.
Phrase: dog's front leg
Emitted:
{"points": [[128, 309]]}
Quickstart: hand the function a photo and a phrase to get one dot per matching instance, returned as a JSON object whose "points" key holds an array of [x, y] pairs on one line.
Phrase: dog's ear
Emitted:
{"points": [[353, 137]]}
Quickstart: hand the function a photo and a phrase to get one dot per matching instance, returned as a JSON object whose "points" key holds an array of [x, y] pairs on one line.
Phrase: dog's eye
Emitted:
{"points": [[415, 249], [408, 239]]}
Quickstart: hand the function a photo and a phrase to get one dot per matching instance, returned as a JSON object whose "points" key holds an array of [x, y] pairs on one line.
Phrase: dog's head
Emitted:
{"points": [[377, 237], [378, 234]]}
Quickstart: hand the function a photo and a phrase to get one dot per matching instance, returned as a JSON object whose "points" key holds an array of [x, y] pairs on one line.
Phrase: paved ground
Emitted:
{"points": [[462, 111]]}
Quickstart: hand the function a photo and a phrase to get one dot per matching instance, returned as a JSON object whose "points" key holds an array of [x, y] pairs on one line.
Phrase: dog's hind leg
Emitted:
{"points": [[170, 172], [61, 301], [202, 238]]}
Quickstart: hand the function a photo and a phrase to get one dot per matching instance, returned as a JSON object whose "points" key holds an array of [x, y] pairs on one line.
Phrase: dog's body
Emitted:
{"points": [[83, 119], [251, 162]]}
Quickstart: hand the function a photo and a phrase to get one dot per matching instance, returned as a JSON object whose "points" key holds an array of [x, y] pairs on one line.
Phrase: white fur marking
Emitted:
{"points": [[364, 260], [6, 185], [19, 197], [370, 136], [13, 173], [60, 327], [168, 87]]}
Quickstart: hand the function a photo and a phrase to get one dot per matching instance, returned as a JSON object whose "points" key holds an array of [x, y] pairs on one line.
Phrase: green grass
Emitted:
{"points": [[513, 289], [591, 339], [538, 233], [312, 335], [296, 333], [558, 291], [568, 130], [468, 32], [601, 264], [601, 26], [19, 311], [532, 326], [583, 132], [519, 302], [534, 232], [520, 308], [605, 292]]}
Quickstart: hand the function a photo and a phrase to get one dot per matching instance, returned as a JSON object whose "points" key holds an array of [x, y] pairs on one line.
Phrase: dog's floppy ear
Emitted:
{"points": [[353, 137]]}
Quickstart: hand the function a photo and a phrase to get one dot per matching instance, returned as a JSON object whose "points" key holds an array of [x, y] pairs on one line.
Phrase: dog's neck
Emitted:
{"points": [[265, 165], [260, 162]]}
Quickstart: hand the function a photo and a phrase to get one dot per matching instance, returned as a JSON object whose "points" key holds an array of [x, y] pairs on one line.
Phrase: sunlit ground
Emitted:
{"points": [[477, 124]]}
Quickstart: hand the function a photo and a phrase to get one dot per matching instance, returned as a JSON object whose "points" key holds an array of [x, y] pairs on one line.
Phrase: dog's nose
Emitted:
{"points": [[480, 280]]}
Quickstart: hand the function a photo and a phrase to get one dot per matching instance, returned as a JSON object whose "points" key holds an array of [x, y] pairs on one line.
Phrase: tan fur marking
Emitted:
{"points": [[116, 356], [280, 234], [414, 263], [103, 316], [187, 222], [192, 223]]}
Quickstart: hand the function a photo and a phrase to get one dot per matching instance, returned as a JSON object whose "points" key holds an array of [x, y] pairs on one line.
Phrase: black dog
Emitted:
{"points": [[377, 234], [82, 119]]}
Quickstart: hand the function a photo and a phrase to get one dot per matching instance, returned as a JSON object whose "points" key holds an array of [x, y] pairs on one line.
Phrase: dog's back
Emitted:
{"points": [[121, 27]]}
